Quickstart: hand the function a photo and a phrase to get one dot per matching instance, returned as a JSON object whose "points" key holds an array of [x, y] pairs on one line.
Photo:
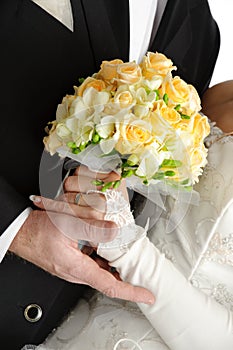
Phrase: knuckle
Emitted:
{"points": [[111, 229], [70, 183], [96, 214], [78, 169], [61, 206], [66, 183], [110, 292]]}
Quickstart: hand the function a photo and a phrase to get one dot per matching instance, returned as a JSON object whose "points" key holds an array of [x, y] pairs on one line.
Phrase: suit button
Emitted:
{"points": [[33, 313]]}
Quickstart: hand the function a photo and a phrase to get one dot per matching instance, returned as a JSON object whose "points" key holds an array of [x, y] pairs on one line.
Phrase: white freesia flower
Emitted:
{"points": [[144, 102], [106, 127], [80, 110], [161, 128], [154, 83], [108, 145], [151, 159], [63, 108], [52, 143], [62, 130], [95, 99]]}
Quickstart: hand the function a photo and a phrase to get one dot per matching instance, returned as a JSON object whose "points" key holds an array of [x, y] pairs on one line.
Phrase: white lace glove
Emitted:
{"points": [[118, 210], [184, 317]]}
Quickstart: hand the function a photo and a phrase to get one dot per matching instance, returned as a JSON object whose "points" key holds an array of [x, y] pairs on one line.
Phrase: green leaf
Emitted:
{"points": [[177, 107], [170, 163], [96, 138], [81, 80], [97, 182], [170, 173], [82, 146], [158, 176], [185, 182], [184, 116], [116, 184], [107, 186], [127, 173], [165, 98], [148, 91], [71, 144], [188, 188], [157, 94]]}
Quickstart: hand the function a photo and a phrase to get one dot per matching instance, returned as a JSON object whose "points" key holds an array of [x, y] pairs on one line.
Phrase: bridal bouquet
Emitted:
{"points": [[136, 118]]}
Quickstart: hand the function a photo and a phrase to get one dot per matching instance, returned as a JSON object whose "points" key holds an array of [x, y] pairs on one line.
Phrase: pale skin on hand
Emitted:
{"points": [[90, 205], [49, 239], [217, 104]]}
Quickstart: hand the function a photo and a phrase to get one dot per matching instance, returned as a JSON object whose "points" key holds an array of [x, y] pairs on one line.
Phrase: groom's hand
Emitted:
{"points": [[43, 240]]}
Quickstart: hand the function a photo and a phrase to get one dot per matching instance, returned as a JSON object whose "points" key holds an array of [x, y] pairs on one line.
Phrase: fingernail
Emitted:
{"points": [[34, 198]]}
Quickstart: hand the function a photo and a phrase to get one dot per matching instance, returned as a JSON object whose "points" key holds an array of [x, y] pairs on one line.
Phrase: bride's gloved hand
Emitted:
{"points": [[61, 223]]}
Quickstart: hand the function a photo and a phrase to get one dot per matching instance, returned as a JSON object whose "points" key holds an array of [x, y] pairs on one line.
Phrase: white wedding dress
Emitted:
{"points": [[189, 269]]}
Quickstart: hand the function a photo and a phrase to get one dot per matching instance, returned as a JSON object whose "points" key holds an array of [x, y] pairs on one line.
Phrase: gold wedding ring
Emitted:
{"points": [[77, 198]]}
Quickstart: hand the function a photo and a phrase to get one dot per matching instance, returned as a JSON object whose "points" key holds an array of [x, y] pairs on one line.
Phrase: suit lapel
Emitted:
{"points": [[40, 19], [174, 32], [109, 37]]}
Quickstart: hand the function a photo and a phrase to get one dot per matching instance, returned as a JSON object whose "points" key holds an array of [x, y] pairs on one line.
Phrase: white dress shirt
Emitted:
{"points": [[142, 15]]}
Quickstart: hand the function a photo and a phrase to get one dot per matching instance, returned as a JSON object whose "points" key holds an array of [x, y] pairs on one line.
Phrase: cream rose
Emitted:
{"points": [[134, 135], [183, 94], [170, 115], [198, 159], [63, 109], [160, 126], [201, 128], [52, 141], [194, 103], [97, 84], [108, 70], [123, 96], [128, 73], [177, 90], [156, 64]]}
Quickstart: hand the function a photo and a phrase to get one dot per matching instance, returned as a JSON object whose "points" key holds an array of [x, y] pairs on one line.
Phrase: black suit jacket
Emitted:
{"points": [[41, 60]]}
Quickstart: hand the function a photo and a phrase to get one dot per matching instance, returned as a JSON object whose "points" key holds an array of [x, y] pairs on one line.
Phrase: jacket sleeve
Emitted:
{"points": [[12, 204]]}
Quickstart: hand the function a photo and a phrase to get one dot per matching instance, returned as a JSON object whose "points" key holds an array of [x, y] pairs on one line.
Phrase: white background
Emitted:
{"points": [[222, 11]]}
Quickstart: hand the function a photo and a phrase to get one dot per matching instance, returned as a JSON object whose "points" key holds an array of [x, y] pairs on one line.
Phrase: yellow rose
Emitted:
{"points": [[123, 97], [160, 126], [156, 64], [108, 70], [201, 128], [171, 115], [194, 104], [198, 159], [128, 73], [134, 136], [177, 90], [183, 94], [97, 84]]}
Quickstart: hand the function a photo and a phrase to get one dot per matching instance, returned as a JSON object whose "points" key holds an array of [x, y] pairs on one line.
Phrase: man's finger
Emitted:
{"points": [[84, 229], [106, 283]]}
